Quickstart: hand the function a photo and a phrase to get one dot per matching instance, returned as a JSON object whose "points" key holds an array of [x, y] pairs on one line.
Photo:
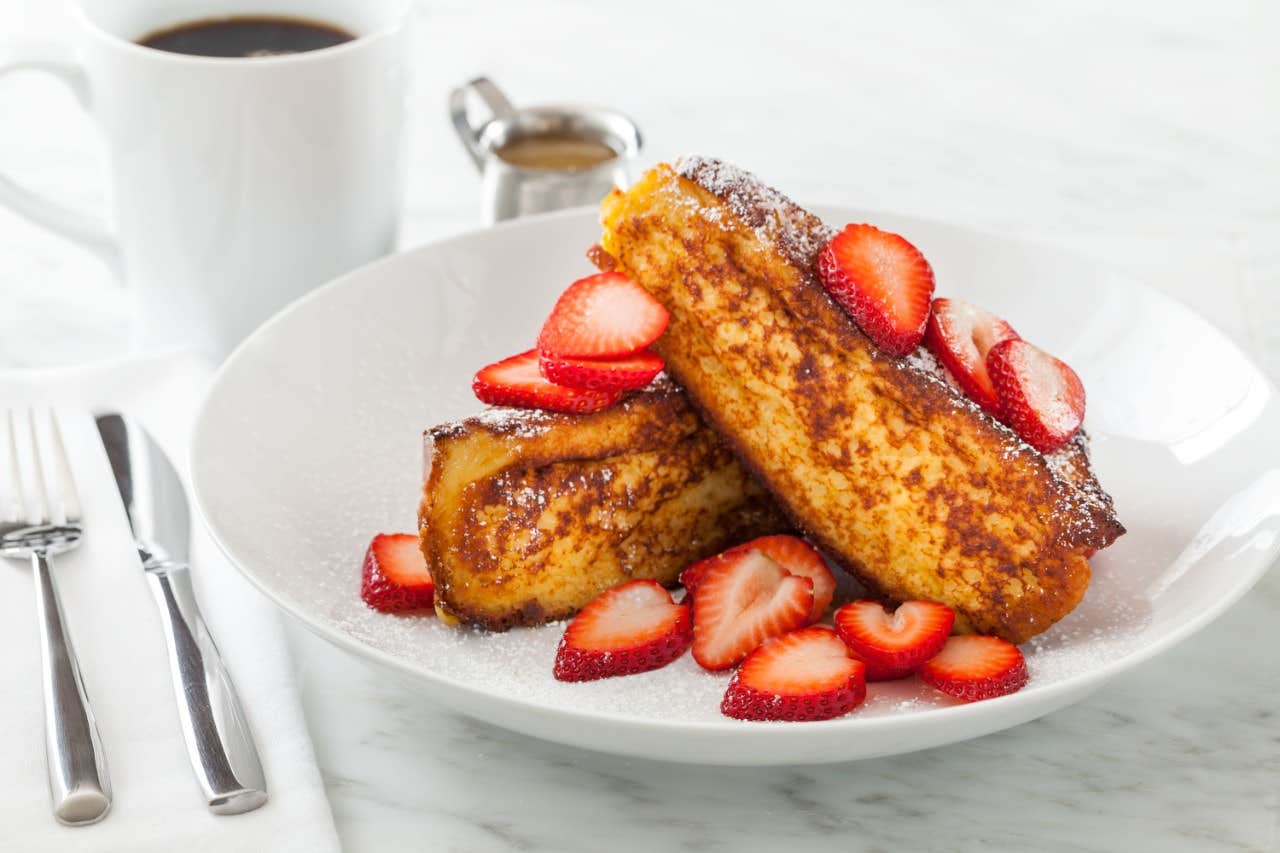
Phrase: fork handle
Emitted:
{"points": [[219, 742], [78, 779]]}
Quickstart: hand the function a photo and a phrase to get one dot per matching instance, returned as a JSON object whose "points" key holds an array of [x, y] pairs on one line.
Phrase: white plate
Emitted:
{"points": [[310, 442]]}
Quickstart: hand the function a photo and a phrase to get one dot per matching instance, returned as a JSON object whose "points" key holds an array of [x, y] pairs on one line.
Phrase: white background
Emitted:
{"points": [[1146, 134]]}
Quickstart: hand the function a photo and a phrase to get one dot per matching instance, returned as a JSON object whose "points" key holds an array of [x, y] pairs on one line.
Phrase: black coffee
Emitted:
{"points": [[248, 35]]}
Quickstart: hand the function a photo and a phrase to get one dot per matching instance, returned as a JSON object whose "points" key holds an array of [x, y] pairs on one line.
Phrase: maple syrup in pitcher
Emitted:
{"points": [[556, 151], [541, 158]]}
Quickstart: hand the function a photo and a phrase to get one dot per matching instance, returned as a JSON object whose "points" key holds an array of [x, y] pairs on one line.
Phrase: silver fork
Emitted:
{"points": [[36, 529]]}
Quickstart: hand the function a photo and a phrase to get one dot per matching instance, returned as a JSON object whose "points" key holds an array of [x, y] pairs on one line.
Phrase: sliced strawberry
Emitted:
{"points": [[394, 577], [515, 381], [973, 667], [805, 675], [801, 559], [634, 627], [741, 601], [1041, 398], [882, 282], [605, 315], [794, 554], [615, 374], [894, 645], [692, 574], [961, 334]]}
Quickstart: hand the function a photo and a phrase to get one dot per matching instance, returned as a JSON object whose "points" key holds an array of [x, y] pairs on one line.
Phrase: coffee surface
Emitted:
{"points": [[556, 152], [246, 36]]}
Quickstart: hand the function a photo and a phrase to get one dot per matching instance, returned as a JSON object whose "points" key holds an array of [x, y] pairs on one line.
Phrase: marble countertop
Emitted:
{"points": [[1144, 134]]}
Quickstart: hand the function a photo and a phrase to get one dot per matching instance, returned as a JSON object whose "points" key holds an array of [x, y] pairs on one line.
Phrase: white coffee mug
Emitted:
{"points": [[238, 184]]}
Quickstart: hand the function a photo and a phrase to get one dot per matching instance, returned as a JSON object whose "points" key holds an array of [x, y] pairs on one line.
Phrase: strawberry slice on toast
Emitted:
{"points": [[605, 315], [1041, 398], [882, 282], [626, 373], [516, 381], [961, 334]]}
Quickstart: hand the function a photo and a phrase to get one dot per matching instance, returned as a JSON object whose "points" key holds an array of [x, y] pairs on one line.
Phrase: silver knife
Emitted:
{"points": [[219, 742]]}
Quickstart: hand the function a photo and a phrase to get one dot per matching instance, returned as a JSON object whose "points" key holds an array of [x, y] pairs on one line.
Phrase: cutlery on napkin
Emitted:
{"points": [[214, 727], [126, 670]]}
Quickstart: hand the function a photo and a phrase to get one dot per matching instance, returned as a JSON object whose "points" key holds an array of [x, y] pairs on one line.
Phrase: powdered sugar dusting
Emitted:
{"points": [[923, 360], [779, 221], [516, 665], [523, 423], [1082, 495], [1047, 389], [1062, 462], [927, 365]]}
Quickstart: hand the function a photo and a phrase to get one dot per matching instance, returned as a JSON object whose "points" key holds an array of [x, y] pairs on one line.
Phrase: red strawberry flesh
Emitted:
{"points": [[882, 282], [802, 676], [794, 554], [1041, 398], [634, 627], [619, 374], [690, 577], [605, 315], [973, 667], [394, 576], [894, 645], [742, 601], [961, 334], [516, 381]]}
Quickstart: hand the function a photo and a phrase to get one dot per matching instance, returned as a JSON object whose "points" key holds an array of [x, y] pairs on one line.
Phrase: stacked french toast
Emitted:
{"points": [[742, 398], [527, 515]]}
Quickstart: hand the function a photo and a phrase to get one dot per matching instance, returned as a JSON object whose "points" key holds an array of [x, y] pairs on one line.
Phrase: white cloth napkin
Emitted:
{"points": [[116, 631]]}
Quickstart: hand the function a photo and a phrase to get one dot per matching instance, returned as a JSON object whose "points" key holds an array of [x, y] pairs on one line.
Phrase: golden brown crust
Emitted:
{"points": [[878, 460], [527, 516]]}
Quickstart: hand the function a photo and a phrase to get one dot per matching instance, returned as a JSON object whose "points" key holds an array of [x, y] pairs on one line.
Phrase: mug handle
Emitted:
{"points": [[487, 92], [88, 231]]}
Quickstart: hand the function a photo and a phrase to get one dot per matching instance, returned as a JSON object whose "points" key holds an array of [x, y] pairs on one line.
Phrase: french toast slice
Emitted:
{"points": [[880, 461], [527, 516]]}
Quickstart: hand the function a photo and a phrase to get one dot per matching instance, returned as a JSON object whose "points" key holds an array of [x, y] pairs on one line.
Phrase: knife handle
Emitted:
{"points": [[219, 742]]}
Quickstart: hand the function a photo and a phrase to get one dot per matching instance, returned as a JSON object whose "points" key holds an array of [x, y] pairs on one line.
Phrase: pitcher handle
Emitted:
{"points": [[486, 92], [92, 234]]}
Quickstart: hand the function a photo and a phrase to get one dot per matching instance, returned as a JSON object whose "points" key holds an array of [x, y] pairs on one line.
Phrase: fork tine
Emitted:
{"points": [[41, 514], [15, 502], [67, 493]]}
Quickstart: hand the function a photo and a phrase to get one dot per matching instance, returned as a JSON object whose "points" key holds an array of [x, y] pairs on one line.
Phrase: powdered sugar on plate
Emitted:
{"points": [[517, 664]]}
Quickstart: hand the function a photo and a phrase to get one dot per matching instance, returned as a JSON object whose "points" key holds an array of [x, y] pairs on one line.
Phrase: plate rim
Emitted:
{"points": [[1044, 695]]}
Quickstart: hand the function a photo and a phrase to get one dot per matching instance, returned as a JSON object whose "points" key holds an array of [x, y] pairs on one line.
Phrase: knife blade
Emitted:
{"points": [[219, 741]]}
